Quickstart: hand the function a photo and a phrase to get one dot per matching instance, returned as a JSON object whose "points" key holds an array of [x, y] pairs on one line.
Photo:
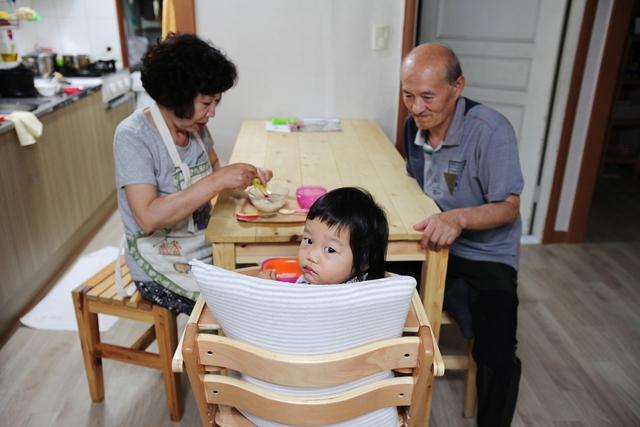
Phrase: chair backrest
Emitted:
{"points": [[285, 342]]}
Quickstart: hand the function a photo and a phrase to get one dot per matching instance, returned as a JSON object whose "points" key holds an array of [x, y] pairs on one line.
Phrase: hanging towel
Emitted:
{"points": [[27, 125], [168, 18]]}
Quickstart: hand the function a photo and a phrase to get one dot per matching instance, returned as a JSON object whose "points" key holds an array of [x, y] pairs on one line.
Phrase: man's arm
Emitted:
{"points": [[440, 230]]}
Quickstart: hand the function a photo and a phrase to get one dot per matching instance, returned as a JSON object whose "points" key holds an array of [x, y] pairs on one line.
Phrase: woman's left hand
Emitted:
{"points": [[265, 175]]}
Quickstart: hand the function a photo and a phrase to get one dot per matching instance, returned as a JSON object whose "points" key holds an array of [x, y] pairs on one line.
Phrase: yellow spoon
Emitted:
{"points": [[258, 184]]}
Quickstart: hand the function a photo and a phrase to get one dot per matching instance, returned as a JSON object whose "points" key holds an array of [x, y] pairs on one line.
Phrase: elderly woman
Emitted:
{"points": [[167, 171]]}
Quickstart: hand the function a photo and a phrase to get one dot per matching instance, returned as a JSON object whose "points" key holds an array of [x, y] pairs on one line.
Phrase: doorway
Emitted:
{"points": [[142, 24], [615, 208]]}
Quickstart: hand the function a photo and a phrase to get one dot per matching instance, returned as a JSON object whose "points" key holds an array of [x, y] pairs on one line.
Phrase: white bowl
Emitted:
{"points": [[47, 89], [275, 201]]}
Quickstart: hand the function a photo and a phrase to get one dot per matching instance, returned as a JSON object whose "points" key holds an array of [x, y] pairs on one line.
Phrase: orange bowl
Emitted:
{"points": [[287, 269]]}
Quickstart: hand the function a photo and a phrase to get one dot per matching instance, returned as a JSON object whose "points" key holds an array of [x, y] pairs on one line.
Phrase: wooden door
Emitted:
{"points": [[508, 50]]}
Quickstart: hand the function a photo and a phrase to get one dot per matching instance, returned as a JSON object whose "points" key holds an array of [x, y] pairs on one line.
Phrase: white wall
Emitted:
{"points": [[70, 27], [304, 58]]}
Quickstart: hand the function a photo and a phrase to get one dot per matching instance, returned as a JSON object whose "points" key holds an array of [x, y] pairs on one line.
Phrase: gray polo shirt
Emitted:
{"points": [[477, 163]]}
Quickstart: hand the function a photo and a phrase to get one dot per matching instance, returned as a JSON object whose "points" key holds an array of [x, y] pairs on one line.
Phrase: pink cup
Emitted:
{"points": [[307, 194]]}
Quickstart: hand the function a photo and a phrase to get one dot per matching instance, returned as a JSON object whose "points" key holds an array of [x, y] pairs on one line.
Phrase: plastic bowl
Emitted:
{"points": [[47, 89], [308, 194], [268, 204], [287, 269]]}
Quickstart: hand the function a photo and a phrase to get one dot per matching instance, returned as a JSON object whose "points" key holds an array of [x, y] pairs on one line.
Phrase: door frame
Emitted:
{"points": [[597, 124], [409, 31], [185, 16]]}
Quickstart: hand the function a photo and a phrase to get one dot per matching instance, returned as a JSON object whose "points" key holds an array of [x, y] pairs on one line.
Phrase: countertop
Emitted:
{"points": [[48, 104]]}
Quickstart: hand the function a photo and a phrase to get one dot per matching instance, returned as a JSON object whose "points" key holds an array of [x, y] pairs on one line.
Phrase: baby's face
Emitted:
{"points": [[325, 256]]}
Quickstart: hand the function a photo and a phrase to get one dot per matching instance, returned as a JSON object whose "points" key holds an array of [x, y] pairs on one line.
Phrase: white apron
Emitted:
{"points": [[165, 254]]}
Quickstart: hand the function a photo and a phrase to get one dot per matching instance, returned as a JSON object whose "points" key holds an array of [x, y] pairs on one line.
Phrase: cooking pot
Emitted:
{"points": [[76, 62], [17, 82], [43, 64]]}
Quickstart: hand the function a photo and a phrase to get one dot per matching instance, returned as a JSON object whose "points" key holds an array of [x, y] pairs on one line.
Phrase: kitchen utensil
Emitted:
{"points": [[247, 215], [76, 62], [293, 211], [275, 201], [258, 184], [287, 269], [42, 63], [47, 88], [308, 194]]}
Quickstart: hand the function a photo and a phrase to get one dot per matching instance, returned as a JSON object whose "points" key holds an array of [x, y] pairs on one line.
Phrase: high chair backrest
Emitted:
{"points": [[309, 355]]}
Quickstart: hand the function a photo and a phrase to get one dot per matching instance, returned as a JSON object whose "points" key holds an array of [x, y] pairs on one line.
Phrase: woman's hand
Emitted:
{"points": [[265, 175], [237, 176]]}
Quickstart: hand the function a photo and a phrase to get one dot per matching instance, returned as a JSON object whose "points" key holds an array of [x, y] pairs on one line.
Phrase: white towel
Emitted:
{"points": [[27, 125]]}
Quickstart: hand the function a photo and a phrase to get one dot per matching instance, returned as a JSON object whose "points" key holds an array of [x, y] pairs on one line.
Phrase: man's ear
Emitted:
{"points": [[459, 85]]}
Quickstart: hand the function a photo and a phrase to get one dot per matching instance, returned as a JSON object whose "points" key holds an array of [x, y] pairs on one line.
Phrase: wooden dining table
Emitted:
{"points": [[359, 155]]}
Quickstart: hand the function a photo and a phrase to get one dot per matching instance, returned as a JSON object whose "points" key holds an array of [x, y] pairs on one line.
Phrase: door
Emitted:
{"points": [[508, 50]]}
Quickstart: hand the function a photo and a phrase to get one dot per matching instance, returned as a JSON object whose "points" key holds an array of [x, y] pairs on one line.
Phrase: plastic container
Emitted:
{"points": [[307, 194], [287, 269], [47, 89]]}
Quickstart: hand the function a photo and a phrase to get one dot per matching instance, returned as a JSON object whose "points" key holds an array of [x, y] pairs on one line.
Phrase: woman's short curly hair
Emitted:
{"points": [[181, 67]]}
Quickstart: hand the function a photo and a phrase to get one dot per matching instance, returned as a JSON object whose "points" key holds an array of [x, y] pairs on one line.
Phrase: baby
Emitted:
{"points": [[345, 239]]}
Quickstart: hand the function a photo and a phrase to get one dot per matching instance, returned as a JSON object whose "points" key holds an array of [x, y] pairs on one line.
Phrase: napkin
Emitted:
{"points": [[27, 125]]}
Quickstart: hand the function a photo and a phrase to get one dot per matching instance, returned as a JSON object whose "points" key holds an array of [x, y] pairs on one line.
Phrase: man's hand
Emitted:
{"points": [[440, 230]]}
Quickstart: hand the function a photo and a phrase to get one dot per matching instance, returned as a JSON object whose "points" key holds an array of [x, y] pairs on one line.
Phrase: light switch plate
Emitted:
{"points": [[380, 37]]}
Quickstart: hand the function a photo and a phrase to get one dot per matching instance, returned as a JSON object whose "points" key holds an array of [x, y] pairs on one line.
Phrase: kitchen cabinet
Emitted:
{"points": [[54, 194], [622, 141]]}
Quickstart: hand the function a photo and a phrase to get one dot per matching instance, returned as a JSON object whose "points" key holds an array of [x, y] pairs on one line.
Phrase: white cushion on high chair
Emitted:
{"points": [[307, 319]]}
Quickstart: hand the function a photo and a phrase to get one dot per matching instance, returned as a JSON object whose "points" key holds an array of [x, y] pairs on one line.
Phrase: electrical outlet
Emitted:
{"points": [[380, 37]]}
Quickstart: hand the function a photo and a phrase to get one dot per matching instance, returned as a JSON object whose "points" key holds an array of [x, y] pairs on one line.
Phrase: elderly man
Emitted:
{"points": [[464, 155]]}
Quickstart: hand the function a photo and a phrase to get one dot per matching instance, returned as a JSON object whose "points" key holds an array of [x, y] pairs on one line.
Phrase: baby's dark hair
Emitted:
{"points": [[354, 209]]}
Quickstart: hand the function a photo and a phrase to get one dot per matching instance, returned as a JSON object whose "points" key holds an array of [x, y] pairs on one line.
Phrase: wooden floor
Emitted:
{"points": [[579, 335]]}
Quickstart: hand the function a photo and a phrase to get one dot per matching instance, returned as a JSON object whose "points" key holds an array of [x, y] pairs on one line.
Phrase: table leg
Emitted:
{"points": [[224, 255], [434, 273], [432, 281]]}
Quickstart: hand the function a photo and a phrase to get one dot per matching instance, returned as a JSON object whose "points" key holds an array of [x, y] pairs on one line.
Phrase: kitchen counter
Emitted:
{"points": [[54, 193], [47, 105]]}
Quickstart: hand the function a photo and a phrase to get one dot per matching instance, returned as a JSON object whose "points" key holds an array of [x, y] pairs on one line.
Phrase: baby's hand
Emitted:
{"points": [[269, 274]]}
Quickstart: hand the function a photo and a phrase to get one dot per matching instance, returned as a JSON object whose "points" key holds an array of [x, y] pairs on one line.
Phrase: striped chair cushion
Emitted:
{"points": [[308, 320]]}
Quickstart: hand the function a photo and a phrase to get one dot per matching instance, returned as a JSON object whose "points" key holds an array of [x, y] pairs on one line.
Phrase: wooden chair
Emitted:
{"points": [[99, 295], [217, 396], [466, 363]]}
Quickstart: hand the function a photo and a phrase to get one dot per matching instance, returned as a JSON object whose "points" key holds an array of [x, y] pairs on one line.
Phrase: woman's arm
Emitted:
{"points": [[152, 212]]}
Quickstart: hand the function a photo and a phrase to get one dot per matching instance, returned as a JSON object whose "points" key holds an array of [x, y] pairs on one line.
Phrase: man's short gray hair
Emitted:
{"points": [[452, 68]]}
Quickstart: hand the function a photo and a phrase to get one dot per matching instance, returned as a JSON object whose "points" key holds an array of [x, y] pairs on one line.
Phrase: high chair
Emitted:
{"points": [[99, 295], [202, 353]]}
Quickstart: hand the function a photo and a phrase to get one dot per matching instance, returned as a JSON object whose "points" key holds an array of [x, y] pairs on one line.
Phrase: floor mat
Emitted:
{"points": [[55, 311]]}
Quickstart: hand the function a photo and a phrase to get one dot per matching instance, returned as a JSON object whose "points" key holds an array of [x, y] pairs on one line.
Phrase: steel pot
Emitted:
{"points": [[43, 64], [76, 62]]}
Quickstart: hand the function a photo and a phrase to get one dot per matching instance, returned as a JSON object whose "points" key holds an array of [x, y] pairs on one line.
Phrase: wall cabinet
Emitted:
{"points": [[53, 195]]}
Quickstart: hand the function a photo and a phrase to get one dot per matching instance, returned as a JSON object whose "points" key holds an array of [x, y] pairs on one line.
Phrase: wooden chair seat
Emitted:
{"points": [[98, 295]]}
